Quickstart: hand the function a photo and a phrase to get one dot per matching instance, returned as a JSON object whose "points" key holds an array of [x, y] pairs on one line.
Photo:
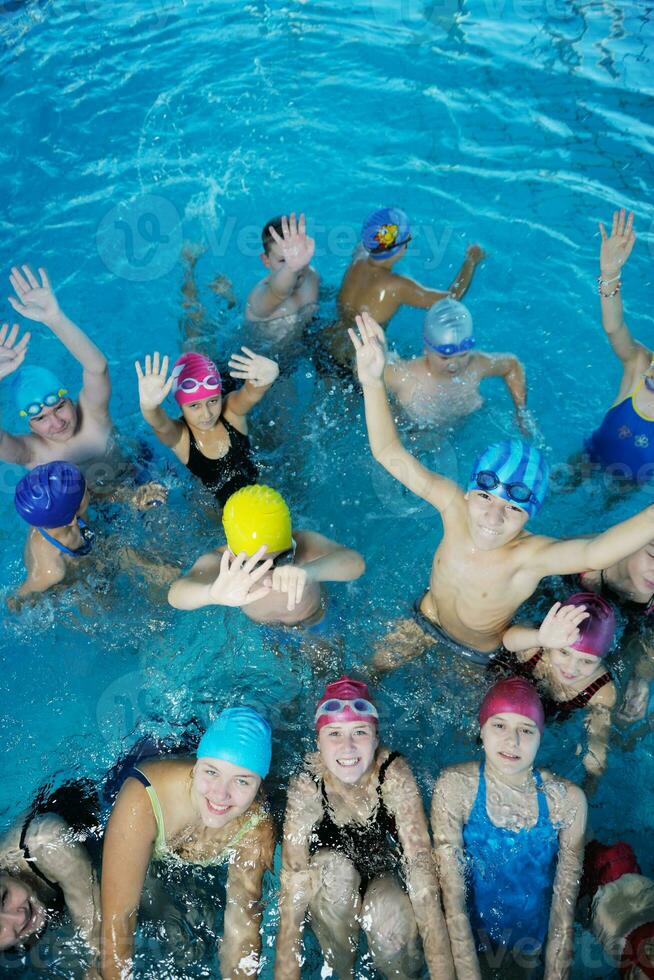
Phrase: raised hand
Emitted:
{"points": [[12, 354], [255, 368], [290, 579], [560, 628], [33, 300], [616, 247], [153, 387], [296, 246], [475, 253], [238, 578], [370, 347]]}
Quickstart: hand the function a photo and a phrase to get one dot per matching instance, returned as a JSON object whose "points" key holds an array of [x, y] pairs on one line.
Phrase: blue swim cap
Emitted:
{"points": [[31, 386], [240, 736], [50, 495], [448, 328], [517, 466], [384, 233]]}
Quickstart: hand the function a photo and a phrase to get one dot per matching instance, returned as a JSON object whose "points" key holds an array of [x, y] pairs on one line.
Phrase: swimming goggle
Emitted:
{"points": [[35, 408], [212, 381], [449, 350], [359, 706], [286, 557], [519, 493], [383, 247]]}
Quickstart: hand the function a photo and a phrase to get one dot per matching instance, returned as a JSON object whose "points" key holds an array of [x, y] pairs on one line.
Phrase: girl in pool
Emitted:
{"points": [[356, 851], [520, 833], [211, 437], [565, 655], [206, 813], [46, 870]]}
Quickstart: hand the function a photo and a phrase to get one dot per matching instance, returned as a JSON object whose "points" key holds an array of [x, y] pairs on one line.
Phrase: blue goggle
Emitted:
{"points": [[49, 400], [519, 493], [449, 350]]}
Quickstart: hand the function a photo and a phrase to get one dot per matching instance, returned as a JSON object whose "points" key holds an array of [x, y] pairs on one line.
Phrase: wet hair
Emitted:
{"points": [[266, 238]]}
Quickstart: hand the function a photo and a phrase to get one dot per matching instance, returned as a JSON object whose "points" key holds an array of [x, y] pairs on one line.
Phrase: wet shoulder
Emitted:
{"points": [[168, 776], [564, 798], [458, 782]]}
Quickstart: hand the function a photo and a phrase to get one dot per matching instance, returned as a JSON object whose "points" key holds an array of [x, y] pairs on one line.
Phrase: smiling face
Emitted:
{"points": [[348, 749], [571, 665], [222, 791], [203, 413], [57, 423], [492, 521], [640, 567], [510, 742], [453, 365], [22, 915]]}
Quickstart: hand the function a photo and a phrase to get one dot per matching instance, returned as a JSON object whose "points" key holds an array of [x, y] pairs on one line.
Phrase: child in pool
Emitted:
{"points": [[371, 283], [79, 432], [209, 813], [287, 298], [486, 565], [621, 907], [565, 655], [273, 572], [356, 851], [211, 437], [520, 833], [45, 870], [443, 384], [624, 442]]}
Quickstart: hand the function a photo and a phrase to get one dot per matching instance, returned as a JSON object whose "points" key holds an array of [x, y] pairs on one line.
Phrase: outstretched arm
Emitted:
{"points": [[13, 449], [382, 433], [508, 367], [461, 283], [296, 253], [37, 301], [587, 554], [560, 628], [258, 372], [221, 581], [615, 250]]}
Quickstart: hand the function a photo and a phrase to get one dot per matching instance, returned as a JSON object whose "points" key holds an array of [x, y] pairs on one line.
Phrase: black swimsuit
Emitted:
{"points": [[58, 903], [373, 847], [554, 710], [232, 471]]}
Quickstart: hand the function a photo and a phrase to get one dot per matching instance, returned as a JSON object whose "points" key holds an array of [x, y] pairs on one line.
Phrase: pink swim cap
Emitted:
{"points": [[345, 700], [513, 695], [195, 377], [596, 631]]}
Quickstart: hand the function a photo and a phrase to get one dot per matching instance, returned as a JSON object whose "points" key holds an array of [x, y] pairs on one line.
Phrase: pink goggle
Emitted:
{"points": [[358, 706], [211, 382]]}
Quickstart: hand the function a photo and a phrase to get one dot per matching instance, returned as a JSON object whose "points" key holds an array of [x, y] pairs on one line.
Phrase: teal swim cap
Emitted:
{"points": [[240, 736], [514, 471], [32, 388]]}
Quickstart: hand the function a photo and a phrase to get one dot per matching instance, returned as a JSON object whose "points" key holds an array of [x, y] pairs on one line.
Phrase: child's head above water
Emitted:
{"points": [[511, 720], [385, 233], [347, 723], [507, 486], [197, 389], [448, 336], [40, 397], [50, 495], [258, 515], [597, 630]]}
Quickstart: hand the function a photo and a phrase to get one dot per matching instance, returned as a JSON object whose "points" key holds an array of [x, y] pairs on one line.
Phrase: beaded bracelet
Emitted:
{"points": [[608, 295]]}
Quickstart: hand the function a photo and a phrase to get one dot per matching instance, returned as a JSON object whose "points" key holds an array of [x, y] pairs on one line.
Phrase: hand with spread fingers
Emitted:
{"points": [[370, 346], [616, 247], [296, 246], [34, 300], [239, 579], [153, 386], [560, 628], [12, 354], [291, 580], [258, 370]]}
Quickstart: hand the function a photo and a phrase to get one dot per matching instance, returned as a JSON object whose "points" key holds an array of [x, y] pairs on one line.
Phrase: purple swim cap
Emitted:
{"points": [[596, 631], [516, 696]]}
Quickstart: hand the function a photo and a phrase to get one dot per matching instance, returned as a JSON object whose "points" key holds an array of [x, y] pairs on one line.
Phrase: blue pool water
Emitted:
{"points": [[134, 126]]}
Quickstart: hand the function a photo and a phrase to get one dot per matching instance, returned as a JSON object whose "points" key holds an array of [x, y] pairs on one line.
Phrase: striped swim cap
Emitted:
{"points": [[520, 471]]}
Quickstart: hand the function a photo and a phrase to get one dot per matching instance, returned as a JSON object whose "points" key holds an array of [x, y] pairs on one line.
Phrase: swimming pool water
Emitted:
{"points": [[131, 128]]}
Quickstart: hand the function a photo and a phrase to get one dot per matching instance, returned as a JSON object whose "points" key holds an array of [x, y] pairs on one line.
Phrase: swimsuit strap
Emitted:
{"points": [[160, 839], [28, 857], [582, 699], [83, 549], [254, 819], [534, 661], [543, 805], [391, 757]]}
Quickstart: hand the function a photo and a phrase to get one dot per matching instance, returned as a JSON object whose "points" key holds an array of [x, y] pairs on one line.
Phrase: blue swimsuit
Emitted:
{"points": [[510, 875], [87, 534], [625, 440]]}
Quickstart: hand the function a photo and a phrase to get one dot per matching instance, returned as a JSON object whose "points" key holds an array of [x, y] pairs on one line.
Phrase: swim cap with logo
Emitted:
{"points": [[385, 232]]}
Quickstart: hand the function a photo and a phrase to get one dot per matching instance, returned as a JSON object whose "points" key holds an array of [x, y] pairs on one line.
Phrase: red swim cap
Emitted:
{"points": [[634, 954], [351, 703], [513, 696], [596, 631], [604, 863]]}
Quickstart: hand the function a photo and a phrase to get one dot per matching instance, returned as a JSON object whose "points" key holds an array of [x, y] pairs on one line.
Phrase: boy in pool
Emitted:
{"points": [[272, 572], [80, 432], [443, 384], [371, 283], [486, 565], [288, 296]]}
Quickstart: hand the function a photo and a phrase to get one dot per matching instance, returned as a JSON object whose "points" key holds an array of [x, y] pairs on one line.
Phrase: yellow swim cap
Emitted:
{"points": [[254, 516]]}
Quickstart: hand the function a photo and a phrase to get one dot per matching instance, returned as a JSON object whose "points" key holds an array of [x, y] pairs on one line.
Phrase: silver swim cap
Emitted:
{"points": [[448, 328]]}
